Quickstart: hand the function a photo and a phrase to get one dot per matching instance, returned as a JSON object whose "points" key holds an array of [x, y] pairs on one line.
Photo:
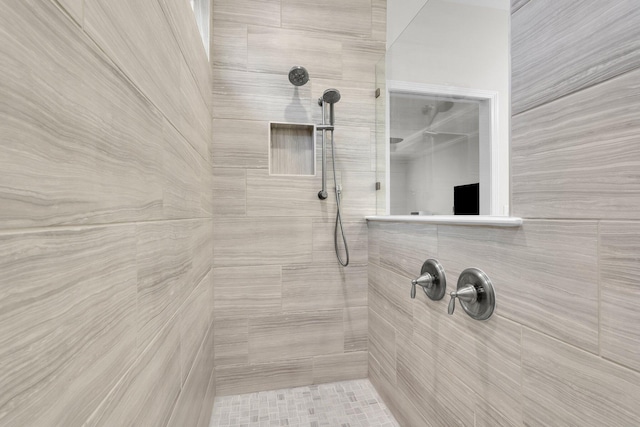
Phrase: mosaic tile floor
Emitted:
{"points": [[343, 404]]}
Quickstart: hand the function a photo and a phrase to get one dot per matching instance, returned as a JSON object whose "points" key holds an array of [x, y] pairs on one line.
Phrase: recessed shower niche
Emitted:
{"points": [[292, 149]]}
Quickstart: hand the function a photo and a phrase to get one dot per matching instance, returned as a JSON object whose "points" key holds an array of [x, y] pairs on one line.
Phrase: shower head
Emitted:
{"points": [[331, 96], [393, 140], [298, 75]]}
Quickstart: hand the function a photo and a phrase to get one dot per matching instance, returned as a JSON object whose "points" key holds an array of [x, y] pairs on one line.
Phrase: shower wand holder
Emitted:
{"points": [[322, 195]]}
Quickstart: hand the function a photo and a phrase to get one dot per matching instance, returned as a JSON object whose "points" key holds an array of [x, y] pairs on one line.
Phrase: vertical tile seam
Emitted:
{"points": [[599, 283]]}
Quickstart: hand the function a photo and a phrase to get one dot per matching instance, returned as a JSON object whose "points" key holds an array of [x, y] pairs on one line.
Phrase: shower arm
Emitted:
{"points": [[322, 194]]}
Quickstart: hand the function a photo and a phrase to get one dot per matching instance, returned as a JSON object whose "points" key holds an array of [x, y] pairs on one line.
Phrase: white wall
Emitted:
{"points": [[399, 15]]}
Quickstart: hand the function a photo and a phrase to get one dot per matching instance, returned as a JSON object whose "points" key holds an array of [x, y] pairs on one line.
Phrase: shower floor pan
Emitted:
{"points": [[343, 404]]}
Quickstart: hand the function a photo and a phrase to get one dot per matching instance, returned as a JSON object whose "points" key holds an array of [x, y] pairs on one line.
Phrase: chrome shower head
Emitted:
{"points": [[331, 96], [298, 75]]}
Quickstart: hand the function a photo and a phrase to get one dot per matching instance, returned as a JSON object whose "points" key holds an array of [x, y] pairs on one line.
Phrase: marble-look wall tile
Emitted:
{"points": [[353, 149], [352, 18], [67, 321], [195, 318], [145, 49], [229, 192], [382, 346], [247, 291], [554, 53], [360, 57], [231, 340], [185, 30], [264, 376], [295, 335], [258, 12], [379, 20], [271, 50], [81, 145], [578, 156], [389, 297], [403, 248], [240, 144], [184, 177], [130, 402], [249, 241], [190, 406], [294, 196], [440, 391], [262, 96], [564, 385], [485, 356], [195, 117], [619, 292], [355, 328], [322, 286], [546, 277], [74, 9], [229, 45], [339, 367], [163, 258]]}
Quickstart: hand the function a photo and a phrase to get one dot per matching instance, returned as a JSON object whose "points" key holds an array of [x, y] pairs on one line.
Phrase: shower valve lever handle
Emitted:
{"points": [[467, 293], [426, 281]]}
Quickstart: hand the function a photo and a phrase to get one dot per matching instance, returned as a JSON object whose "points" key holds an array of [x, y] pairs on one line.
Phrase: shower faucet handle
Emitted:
{"points": [[432, 280], [467, 293], [426, 281]]}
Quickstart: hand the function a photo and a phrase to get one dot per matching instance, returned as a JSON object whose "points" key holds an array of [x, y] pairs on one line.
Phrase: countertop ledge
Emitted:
{"points": [[479, 220]]}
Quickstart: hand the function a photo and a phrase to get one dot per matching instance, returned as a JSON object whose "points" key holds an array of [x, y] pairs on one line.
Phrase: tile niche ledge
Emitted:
{"points": [[480, 220]]}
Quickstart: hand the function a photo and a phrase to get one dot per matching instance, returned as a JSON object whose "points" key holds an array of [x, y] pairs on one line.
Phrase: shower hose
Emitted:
{"points": [[338, 225]]}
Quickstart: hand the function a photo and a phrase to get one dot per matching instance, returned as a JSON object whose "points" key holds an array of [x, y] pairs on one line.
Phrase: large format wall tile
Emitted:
{"points": [[261, 96], [563, 47], [240, 144], [185, 174], [485, 356], [339, 367], [275, 50], [295, 196], [247, 291], [620, 292], [192, 404], [130, 402], [74, 8], [163, 258], [144, 48], [258, 12], [389, 297], [229, 192], [403, 248], [355, 328], [67, 316], [324, 246], [546, 277], [229, 45], [185, 29], [322, 286], [195, 318], [81, 145], [231, 340], [295, 335], [351, 18], [265, 376], [578, 157], [248, 241], [563, 385], [517, 4]]}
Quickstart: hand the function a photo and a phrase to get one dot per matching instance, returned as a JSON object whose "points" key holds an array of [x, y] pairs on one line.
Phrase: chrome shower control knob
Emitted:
{"points": [[432, 280], [475, 293]]}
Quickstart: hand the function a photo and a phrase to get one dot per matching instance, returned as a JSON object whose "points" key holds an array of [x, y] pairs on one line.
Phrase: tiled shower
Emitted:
{"points": [[151, 263]]}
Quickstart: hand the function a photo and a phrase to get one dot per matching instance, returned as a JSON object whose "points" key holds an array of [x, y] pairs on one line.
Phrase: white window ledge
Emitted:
{"points": [[483, 220]]}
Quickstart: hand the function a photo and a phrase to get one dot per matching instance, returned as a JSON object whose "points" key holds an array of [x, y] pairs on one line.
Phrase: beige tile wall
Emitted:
{"points": [[286, 314], [562, 348], [106, 215]]}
